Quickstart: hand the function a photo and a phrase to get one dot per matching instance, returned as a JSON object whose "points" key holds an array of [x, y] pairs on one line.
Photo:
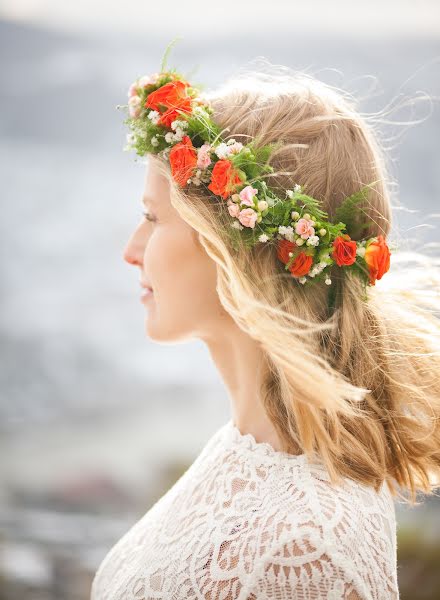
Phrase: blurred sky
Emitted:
{"points": [[208, 20]]}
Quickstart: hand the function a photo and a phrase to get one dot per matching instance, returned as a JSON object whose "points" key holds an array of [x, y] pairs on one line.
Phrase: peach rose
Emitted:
{"points": [[377, 257], [183, 160], [173, 97], [301, 264], [224, 178], [344, 250]]}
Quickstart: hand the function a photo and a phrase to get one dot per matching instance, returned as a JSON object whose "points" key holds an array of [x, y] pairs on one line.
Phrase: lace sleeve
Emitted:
{"points": [[308, 568]]}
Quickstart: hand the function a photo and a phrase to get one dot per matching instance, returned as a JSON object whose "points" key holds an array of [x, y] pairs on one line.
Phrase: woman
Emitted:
{"points": [[334, 393]]}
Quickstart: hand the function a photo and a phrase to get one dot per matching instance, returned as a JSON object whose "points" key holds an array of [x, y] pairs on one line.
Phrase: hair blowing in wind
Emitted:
{"points": [[357, 384]]}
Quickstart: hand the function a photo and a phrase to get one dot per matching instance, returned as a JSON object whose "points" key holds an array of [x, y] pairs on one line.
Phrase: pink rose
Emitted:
{"points": [[203, 158], [247, 194], [234, 209], [146, 80], [134, 106], [304, 228], [248, 217], [132, 90]]}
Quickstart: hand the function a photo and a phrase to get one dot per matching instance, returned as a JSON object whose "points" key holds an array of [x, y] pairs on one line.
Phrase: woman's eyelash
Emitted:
{"points": [[147, 216]]}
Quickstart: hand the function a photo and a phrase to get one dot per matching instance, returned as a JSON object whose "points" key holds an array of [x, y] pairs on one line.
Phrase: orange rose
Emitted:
{"points": [[223, 178], [302, 263], [173, 96], [183, 159], [377, 257], [344, 250]]}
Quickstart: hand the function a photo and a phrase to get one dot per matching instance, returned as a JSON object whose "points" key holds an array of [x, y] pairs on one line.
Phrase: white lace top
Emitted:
{"points": [[248, 522]]}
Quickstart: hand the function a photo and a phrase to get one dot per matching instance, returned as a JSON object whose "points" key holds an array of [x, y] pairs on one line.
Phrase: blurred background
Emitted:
{"points": [[97, 421]]}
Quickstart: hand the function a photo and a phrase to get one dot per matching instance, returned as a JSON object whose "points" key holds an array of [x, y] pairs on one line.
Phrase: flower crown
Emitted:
{"points": [[169, 117]]}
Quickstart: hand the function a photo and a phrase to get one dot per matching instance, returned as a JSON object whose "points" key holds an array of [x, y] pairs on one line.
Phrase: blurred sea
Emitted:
{"points": [[97, 421]]}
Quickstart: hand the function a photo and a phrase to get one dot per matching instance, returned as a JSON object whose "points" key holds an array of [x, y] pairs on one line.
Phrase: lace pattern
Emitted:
{"points": [[246, 522]]}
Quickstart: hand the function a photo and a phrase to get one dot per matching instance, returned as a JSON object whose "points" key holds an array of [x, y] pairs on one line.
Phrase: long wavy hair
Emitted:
{"points": [[357, 385]]}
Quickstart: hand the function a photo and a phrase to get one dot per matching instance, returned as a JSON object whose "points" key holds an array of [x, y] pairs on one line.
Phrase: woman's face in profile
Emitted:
{"points": [[184, 302]]}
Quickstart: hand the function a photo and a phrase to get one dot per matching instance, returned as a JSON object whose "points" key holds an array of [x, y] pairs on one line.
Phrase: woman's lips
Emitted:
{"points": [[146, 294]]}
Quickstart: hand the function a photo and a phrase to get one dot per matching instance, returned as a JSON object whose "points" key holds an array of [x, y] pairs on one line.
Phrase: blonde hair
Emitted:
{"points": [[358, 386]]}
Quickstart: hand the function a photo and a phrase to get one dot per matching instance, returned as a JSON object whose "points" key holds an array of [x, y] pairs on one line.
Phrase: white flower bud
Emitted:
{"points": [[322, 231], [299, 241], [294, 214], [306, 216], [262, 205]]}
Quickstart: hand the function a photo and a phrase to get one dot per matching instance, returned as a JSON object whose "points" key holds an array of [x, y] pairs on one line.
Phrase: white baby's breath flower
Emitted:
{"points": [[154, 141], [178, 123], [169, 137], [263, 237], [222, 150], [179, 134], [154, 116], [286, 231], [231, 141], [130, 138], [360, 251], [297, 188], [289, 193], [199, 110], [237, 225], [313, 240], [302, 280], [328, 281], [235, 148]]}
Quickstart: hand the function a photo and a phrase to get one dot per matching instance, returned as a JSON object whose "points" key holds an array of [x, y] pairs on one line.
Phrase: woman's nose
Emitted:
{"points": [[133, 251]]}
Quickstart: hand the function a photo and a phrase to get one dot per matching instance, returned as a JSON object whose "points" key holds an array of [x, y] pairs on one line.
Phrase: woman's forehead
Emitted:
{"points": [[156, 185]]}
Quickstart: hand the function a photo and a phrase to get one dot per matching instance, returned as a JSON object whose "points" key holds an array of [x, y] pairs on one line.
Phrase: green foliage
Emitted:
{"points": [[348, 211]]}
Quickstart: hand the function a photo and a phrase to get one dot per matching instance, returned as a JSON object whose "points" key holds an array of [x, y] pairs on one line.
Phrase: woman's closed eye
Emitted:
{"points": [[148, 216]]}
